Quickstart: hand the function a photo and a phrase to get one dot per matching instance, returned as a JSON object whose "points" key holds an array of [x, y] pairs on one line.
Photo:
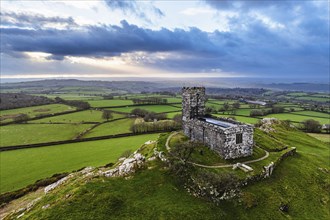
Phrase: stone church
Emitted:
{"points": [[229, 138]]}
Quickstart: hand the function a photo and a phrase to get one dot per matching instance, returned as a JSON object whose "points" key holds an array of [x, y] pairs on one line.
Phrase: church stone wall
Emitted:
{"points": [[222, 140]]}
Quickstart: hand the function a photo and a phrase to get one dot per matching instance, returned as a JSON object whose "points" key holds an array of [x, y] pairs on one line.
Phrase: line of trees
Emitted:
{"points": [[150, 100], [273, 110], [225, 108], [164, 125], [148, 115], [75, 103]]}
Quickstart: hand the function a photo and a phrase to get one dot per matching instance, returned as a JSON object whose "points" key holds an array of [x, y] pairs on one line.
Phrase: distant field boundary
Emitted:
{"points": [[44, 116], [312, 116], [54, 143], [123, 106]]}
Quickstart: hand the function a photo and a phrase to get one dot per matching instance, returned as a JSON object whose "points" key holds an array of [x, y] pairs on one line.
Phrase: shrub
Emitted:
{"points": [[311, 125]]}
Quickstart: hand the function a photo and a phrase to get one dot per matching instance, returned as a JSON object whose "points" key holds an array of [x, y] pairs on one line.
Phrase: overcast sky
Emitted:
{"points": [[267, 39]]}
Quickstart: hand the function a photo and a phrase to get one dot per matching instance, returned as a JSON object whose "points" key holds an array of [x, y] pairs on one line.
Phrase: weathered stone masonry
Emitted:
{"points": [[229, 138]]}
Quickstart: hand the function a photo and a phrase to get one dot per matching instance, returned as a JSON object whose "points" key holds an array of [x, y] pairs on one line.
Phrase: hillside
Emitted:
{"points": [[300, 182]]}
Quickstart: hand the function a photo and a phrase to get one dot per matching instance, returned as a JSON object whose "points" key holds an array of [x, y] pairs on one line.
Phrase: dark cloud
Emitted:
{"points": [[106, 40], [33, 20], [133, 7], [300, 47]]}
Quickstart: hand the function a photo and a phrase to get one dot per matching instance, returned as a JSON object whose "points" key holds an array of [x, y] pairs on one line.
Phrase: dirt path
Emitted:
{"points": [[216, 166]]}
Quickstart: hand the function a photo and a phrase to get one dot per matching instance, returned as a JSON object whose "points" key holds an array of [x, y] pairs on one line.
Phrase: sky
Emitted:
{"points": [[171, 39]]}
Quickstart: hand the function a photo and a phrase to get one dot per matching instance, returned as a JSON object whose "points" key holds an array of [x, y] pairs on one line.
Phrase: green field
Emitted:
{"points": [[297, 94], [153, 108], [296, 118], [173, 100], [18, 134], [314, 98], [8, 115], [77, 117], [22, 167], [110, 103], [115, 127], [322, 137], [313, 114], [300, 181], [172, 114]]}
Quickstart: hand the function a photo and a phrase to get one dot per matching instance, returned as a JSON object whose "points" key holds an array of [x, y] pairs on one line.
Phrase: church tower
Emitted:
{"points": [[193, 103]]}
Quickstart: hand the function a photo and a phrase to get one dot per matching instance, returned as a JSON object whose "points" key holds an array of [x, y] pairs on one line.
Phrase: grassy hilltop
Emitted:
{"points": [[301, 181]]}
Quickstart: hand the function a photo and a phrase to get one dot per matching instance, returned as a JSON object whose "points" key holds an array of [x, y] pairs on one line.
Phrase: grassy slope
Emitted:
{"points": [[36, 110], [298, 181], [18, 134], [22, 167]]}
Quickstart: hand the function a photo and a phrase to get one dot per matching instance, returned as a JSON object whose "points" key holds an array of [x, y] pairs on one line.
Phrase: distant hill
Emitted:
{"points": [[306, 87], [19, 100]]}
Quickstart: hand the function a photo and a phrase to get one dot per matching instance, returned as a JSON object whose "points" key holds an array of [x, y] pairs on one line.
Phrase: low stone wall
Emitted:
{"points": [[268, 170]]}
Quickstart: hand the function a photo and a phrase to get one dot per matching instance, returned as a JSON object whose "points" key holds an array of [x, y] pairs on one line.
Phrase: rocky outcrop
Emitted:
{"points": [[57, 183], [266, 124], [128, 166]]}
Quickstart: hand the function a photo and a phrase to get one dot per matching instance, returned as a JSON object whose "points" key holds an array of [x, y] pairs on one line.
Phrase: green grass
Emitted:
{"points": [[313, 98], [22, 167], [297, 94], [7, 115], [116, 127], [301, 181], [173, 100], [151, 194], [322, 137], [154, 108], [18, 134], [110, 103], [172, 114], [77, 117], [313, 114], [267, 142], [297, 118]]}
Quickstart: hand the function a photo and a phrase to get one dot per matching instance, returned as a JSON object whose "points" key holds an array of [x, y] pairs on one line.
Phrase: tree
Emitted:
{"points": [[236, 105], [107, 115], [226, 106], [311, 125]]}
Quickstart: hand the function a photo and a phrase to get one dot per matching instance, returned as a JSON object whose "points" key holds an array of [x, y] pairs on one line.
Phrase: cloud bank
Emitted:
{"points": [[261, 41]]}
